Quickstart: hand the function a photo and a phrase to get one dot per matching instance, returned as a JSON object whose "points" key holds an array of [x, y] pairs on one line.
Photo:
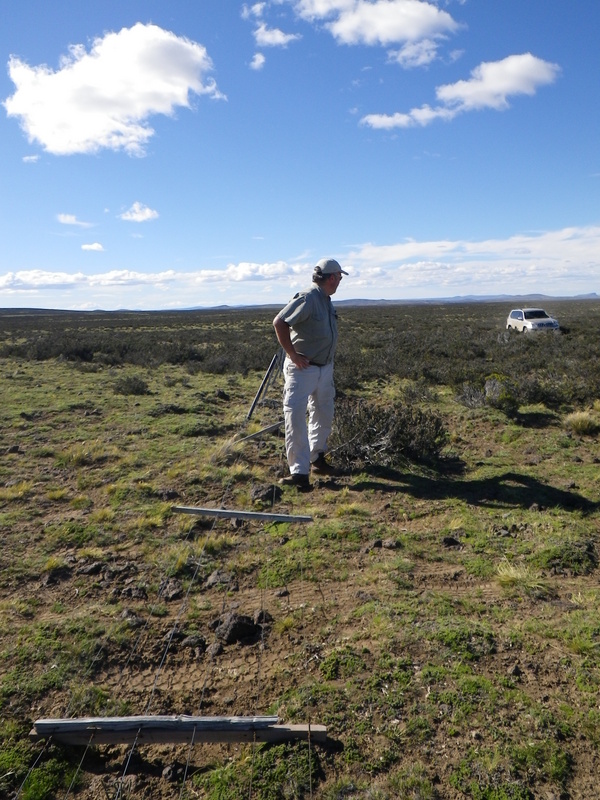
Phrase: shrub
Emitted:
{"points": [[367, 434], [500, 393], [131, 384], [471, 397]]}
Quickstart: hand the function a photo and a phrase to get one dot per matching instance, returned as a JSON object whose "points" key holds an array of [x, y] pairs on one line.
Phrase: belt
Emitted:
{"points": [[314, 364]]}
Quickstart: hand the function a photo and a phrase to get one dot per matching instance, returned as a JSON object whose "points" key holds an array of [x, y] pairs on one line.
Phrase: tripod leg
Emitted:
{"points": [[272, 366]]}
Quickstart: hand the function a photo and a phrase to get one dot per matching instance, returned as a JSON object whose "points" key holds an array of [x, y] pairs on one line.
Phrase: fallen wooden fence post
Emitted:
{"points": [[254, 515], [172, 730]]}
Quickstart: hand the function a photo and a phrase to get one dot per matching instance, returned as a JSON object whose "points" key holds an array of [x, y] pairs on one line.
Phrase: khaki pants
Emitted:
{"points": [[311, 391]]}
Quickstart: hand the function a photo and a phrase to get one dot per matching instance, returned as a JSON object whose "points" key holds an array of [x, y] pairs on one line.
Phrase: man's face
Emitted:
{"points": [[333, 281]]}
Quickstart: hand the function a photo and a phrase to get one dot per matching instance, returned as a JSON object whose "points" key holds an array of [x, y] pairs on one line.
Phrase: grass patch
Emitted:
{"points": [[440, 614]]}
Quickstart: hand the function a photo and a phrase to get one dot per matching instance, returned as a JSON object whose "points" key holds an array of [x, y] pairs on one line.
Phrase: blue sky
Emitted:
{"points": [[174, 154]]}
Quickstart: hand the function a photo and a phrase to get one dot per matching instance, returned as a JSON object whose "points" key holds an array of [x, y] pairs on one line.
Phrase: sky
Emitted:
{"points": [[165, 154]]}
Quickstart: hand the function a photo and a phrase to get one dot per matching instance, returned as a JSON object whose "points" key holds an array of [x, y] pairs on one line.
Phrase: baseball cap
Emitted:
{"points": [[327, 266]]}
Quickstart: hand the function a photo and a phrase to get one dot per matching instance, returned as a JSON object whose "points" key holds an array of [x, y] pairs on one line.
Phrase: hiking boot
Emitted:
{"points": [[321, 467], [299, 480]]}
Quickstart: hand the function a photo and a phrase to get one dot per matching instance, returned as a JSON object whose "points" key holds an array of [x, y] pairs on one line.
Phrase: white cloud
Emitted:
{"points": [[139, 213], [560, 262], [385, 22], [273, 37], [493, 81], [490, 86], [415, 54], [34, 280], [520, 264], [30, 159], [96, 247], [104, 98], [71, 219], [255, 10], [321, 9], [130, 278], [246, 271], [258, 61], [417, 26], [28, 280]]}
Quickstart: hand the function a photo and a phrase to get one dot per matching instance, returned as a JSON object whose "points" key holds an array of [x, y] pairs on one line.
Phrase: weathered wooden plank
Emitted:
{"points": [[173, 721], [176, 730], [253, 515]]}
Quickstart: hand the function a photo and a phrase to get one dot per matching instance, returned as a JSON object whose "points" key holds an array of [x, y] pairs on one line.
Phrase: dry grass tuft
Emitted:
{"points": [[582, 423], [515, 577]]}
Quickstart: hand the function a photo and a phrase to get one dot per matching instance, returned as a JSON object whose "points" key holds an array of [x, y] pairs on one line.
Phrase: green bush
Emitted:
{"points": [[131, 384], [500, 393]]}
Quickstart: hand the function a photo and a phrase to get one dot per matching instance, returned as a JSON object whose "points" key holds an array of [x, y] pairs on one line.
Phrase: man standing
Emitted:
{"points": [[307, 330]]}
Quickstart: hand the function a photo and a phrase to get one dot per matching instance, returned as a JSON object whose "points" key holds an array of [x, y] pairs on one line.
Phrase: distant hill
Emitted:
{"points": [[525, 299], [514, 300]]}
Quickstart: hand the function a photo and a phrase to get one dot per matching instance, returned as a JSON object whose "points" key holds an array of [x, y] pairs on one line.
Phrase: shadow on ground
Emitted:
{"points": [[537, 419], [509, 490]]}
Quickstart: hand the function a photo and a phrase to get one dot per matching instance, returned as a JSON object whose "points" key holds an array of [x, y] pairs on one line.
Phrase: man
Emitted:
{"points": [[307, 330]]}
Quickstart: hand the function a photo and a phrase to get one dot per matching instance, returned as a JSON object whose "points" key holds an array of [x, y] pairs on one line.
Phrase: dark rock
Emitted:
{"points": [[262, 617], [167, 494], [215, 649], [131, 618], [171, 589], [173, 773], [56, 576], [194, 641], [391, 544], [236, 628], [95, 568], [120, 569], [266, 493], [450, 541], [221, 578], [134, 593]]}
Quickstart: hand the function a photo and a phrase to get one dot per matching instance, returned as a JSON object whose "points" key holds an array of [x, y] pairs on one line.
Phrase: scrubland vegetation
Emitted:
{"points": [[440, 614]]}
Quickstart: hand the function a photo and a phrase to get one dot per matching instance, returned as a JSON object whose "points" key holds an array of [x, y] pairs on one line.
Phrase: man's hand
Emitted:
{"points": [[299, 360]]}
